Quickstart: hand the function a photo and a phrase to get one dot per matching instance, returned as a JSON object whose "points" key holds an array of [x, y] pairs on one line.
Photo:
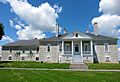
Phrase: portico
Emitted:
{"points": [[77, 49]]}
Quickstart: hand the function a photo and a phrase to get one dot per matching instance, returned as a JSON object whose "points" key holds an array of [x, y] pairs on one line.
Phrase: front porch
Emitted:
{"points": [[77, 49]]}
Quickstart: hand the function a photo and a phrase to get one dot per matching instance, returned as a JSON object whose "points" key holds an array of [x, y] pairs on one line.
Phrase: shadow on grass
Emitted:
{"points": [[5, 62]]}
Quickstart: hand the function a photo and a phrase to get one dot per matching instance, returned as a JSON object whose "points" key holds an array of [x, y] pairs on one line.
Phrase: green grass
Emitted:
{"points": [[57, 76], [104, 66], [29, 64], [20, 64]]}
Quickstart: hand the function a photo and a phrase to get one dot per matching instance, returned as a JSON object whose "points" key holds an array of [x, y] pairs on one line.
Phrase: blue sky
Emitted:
{"points": [[74, 15]]}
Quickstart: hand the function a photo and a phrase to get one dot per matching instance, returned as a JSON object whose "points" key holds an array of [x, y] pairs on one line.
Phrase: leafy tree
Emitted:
{"points": [[1, 30]]}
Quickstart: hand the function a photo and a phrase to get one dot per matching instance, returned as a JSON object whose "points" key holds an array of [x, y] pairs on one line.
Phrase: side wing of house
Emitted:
{"points": [[105, 50], [21, 50]]}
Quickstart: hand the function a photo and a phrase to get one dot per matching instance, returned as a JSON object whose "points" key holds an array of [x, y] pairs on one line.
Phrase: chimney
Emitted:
{"points": [[57, 30], [65, 31], [96, 28]]}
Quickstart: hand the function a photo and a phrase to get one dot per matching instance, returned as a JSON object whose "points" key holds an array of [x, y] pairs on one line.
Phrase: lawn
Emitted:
{"points": [[57, 76], [104, 66], [20, 64], [30, 64]]}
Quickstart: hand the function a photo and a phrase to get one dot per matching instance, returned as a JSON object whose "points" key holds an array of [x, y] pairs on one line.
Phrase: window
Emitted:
{"points": [[10, 58], [37, 49], [23, 58], [107, 59], [76, 34], [0, 58], [76, 48], [48, 57], [86, 47], [48, 47], [10, 50], [67, 47], [60, 47], [106, 47], [37, 58], [23, 51]]}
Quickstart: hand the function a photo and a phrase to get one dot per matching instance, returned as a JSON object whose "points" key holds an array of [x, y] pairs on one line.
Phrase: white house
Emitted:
{"points": [[76, 47]]}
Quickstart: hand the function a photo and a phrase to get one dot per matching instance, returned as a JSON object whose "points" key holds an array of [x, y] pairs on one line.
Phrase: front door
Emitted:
{"points": [[77, 57], [76, 49]]}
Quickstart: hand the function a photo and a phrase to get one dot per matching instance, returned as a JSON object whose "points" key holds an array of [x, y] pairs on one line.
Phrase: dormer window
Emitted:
{"points": [[76, 34]]}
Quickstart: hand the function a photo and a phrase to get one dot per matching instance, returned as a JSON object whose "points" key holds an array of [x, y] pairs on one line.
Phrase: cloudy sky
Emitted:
{"points": [[28, 19]]}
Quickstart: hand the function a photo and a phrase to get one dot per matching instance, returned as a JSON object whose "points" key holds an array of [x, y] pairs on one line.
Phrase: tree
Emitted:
{"points": [[1, 30]]}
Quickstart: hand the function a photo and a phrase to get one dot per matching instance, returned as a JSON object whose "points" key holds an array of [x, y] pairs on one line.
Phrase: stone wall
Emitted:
{"points": [[112, 54], [56, 56]]}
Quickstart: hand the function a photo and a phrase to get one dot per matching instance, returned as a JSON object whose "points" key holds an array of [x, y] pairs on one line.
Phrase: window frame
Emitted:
{"points": [[107, 47], [60, 47], [48, 48], [23, 58], [107, 59], [37, 58], [76, 34], [77, 48], [67, 47], [10, 58], [86, 44]]}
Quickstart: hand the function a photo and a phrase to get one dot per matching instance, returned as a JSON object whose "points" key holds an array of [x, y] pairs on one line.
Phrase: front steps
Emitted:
{"points": [[77, 59], [78, 66], [77, 62]]}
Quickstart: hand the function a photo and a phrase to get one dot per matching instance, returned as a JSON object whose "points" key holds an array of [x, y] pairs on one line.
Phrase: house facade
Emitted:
{"points": [[75, 48]]}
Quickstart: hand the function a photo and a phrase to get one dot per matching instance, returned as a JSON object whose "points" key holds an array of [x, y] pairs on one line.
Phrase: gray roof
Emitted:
{"points": [[54, 38], [100, 37], [94, 37], [34, 42]]}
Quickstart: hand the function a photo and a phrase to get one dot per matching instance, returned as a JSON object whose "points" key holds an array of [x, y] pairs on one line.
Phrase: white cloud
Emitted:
{"points": [[108, 24], [110, 6], [18, 27], [58, 9], [11, 23], [109, 21], [29, 33], [38, 19], [7, 38]]}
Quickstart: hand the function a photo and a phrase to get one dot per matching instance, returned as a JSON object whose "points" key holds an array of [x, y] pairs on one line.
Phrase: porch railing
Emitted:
{"points": [[86, 52], [77, 53], [67, 52]]}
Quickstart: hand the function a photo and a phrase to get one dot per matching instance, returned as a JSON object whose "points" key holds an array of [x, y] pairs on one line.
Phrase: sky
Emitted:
{"points": [[29, 19]]}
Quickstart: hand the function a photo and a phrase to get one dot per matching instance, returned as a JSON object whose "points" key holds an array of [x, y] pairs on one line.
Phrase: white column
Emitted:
{"points": [[91, 43], [63, 47], [72, 48], [81, 47]]}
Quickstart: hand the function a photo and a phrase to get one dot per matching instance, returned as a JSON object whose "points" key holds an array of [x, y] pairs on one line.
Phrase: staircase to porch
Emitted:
{"points": [[77, 59]]}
